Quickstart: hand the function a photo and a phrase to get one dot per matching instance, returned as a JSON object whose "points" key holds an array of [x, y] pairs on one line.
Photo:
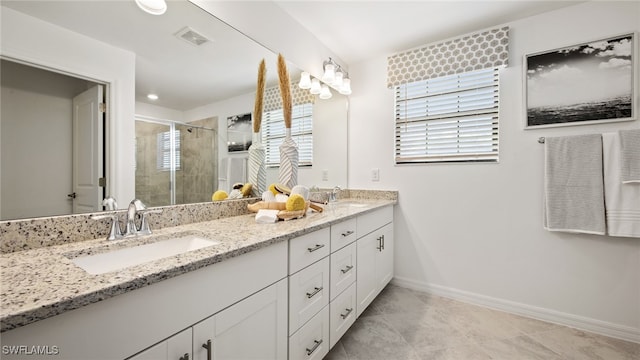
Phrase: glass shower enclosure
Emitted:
{"points": [[176, 163]]}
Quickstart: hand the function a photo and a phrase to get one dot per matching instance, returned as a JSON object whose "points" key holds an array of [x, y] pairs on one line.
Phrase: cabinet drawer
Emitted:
{"points": [[307, 249], [311, 342], [368, 222], [342, 312], [343, 234], [308, 293], [343, 270]]}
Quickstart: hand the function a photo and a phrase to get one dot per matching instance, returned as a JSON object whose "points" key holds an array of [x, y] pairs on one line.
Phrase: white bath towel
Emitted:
{"points": [[630, 161], [622, 200], [574, 194]]}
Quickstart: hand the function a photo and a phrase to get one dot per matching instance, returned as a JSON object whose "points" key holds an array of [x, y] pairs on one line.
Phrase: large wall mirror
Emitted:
{"points": [[203, 72]]}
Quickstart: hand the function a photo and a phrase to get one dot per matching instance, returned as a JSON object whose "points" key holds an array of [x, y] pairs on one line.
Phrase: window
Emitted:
{"points": [[164, 150], [448, 119], [273, 133]]}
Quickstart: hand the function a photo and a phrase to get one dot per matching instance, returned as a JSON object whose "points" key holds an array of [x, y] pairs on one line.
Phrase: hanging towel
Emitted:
{"points": [[630, 162], [622, 200], [574, 194]]}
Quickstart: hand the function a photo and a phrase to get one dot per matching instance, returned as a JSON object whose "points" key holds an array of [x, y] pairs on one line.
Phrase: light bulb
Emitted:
{"points": [[315, 86], [325, 93], [305, 80], [329, 73], [337, 82], [345, 89]]}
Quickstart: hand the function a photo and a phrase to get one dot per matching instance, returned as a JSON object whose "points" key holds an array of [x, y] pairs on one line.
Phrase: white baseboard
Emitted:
{"points": [[579, 322]]}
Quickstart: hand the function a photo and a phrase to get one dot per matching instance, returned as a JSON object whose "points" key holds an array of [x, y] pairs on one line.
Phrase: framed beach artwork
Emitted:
{"points": [[239, 132], [588, 83]]}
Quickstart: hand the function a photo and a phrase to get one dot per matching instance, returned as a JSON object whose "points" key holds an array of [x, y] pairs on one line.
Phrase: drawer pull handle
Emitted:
{"points": [[345, 315], [315, 291], [317, 247], [347, 269], [347, 233], [382, 242], [208, 347], [379, 247], [316, 343]]}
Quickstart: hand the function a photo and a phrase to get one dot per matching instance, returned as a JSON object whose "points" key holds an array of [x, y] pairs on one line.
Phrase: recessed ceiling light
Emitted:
{"points": [[154, 7], [152, 97]]}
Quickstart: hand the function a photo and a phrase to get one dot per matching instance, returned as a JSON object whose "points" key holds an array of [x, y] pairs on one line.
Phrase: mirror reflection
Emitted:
{"points": [[199, 87]]}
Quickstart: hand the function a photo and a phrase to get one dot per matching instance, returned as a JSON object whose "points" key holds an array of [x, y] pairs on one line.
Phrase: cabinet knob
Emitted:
{"points": [[347, 233], [347, 269], [345, 315], [316, 343], [315, 291], [317, 247]]}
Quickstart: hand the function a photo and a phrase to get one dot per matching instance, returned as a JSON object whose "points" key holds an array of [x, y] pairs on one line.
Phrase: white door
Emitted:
{"points": [[384, 263], [88, 148]]}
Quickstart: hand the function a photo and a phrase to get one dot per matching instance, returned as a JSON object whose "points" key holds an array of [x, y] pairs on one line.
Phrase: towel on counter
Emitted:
{"points": [[630, 162], [574, 193], [622, 200]]}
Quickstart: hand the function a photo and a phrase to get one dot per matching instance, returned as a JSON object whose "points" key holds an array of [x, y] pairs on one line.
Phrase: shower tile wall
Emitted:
{"points": [[196, 180], [198, 177]]}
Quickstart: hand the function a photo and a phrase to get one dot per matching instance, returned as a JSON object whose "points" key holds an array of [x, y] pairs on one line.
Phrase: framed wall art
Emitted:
{"points": [[239, 132], [592, 82]]}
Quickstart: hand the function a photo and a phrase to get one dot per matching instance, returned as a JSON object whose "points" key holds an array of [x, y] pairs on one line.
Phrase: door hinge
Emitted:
{"points": [[102, 107], [102, 182]]}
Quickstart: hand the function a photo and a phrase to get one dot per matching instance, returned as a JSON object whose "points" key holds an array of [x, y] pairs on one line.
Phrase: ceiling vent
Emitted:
{"points": [[191, 36]]}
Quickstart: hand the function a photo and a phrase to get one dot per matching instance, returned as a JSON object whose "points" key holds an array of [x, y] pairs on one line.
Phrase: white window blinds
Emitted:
{"points": [[164, 150], [273, 132], [448, 119]]}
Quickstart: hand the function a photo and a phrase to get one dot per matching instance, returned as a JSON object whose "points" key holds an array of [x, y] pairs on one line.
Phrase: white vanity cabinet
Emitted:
{"points": [[375, 255]]}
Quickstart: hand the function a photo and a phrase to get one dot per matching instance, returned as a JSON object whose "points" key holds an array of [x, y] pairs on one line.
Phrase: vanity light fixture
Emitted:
{"points": [[305, 81], [329, 71], [345, 89], [325, 93], [153, 7]]}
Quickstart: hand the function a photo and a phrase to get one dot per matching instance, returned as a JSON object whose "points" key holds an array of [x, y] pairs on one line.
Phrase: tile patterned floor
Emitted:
{"points": [[403, 324]]}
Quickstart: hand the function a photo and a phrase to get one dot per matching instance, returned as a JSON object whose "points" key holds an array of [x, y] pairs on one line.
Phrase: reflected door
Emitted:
{"points": [[88, 147]]}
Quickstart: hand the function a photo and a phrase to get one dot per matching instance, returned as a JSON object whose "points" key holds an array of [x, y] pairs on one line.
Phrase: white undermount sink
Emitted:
{"points": [[136, 255]]}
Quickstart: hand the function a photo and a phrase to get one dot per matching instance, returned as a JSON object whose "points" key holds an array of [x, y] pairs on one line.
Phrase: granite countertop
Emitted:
{"points": [[44, 282]]}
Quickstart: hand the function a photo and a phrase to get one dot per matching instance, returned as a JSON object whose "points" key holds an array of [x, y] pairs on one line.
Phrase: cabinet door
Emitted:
{"points": [[177, 347], [254, 328], [384, 260], [368, 249]]}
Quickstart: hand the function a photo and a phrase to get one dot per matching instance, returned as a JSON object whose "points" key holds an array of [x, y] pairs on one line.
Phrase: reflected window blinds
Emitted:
{"points": [[273, 133]]}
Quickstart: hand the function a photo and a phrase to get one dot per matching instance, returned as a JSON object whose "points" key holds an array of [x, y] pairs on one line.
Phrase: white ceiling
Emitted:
{"points": [[360, 30], [185, 76]]}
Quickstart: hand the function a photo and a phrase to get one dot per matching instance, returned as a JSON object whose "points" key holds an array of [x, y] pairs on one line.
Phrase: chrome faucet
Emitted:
{"points": [[333, 196], [134, 206]]}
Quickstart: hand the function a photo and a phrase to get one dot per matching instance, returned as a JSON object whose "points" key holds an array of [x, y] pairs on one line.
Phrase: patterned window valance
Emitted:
{"points": [[487, 49], [273, 100]]}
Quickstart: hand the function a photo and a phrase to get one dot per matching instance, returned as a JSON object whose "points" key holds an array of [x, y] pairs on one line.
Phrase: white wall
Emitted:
{"points": [[35, 41], [474, 231]]}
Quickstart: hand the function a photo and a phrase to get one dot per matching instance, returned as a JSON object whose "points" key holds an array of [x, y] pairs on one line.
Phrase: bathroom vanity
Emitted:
{"points": [[287, 290]]}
